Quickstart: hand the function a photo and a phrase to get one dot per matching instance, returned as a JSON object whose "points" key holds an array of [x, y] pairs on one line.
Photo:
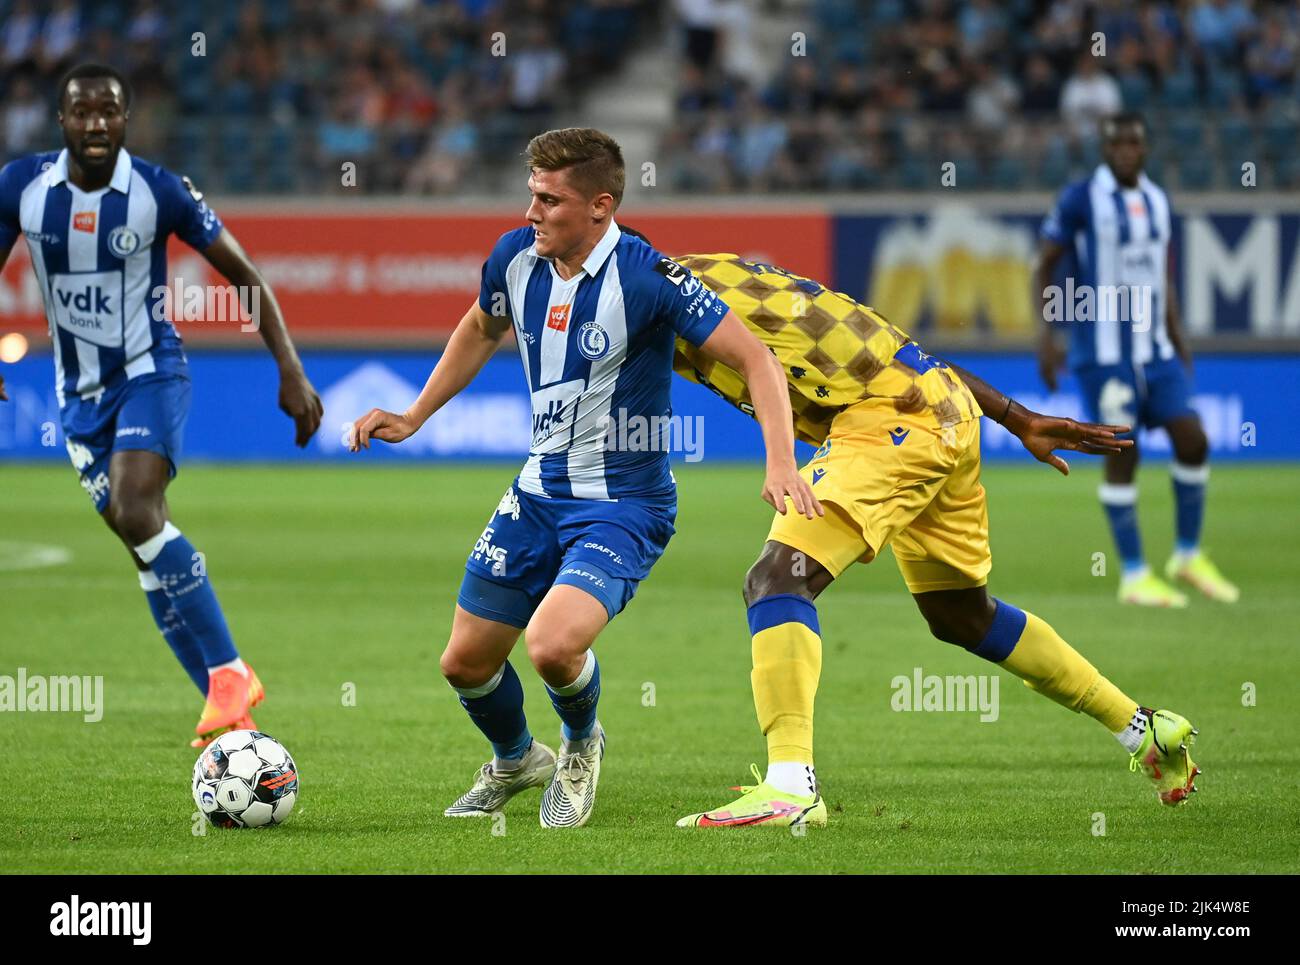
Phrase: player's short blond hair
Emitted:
{"points": [[593, 159]]}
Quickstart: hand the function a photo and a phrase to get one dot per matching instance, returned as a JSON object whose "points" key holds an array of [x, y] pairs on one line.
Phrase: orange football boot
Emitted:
{"points": [[230, 698]]}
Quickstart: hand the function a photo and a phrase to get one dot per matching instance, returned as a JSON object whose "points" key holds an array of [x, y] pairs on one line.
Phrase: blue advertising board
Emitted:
{"points": [[1248, 404]]}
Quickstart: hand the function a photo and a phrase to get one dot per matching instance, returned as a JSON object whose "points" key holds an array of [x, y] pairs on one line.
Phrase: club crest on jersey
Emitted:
{"points": [[592, 341], [84, 221], [558, 317], [123, 242]]}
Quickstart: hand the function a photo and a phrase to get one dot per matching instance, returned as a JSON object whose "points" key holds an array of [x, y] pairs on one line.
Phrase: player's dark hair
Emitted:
{"points": [[629, 230], [93, 72], [593, 158], [1123, 119]]}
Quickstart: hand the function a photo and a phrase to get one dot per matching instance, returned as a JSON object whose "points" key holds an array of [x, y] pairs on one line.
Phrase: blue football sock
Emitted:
{"points": [[1120, 503], [576, 702], [497, 709], [1189, 503], [183, 575], [174, 631]]}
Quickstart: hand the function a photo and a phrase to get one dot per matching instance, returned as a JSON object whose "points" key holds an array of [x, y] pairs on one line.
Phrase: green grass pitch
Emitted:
{"points": [[333, 577]]}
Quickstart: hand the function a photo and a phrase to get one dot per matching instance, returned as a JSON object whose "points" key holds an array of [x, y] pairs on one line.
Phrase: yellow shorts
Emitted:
{"points": [[888, 479]]}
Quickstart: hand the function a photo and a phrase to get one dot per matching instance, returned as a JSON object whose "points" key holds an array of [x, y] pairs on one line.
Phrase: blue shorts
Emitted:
{"points": [[532, 543], [147, 412], [1151, 395]]}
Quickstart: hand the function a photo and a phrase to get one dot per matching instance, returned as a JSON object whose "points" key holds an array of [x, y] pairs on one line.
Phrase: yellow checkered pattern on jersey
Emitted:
{"points": [[835, 352]]}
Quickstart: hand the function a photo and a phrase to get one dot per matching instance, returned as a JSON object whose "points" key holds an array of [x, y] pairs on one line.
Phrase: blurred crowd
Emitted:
{"points": [[277, 96], [883, 92], [432, 96]]}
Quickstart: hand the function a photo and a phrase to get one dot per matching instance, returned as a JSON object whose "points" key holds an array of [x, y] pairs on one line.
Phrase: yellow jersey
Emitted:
{"points": [[835, 352]]}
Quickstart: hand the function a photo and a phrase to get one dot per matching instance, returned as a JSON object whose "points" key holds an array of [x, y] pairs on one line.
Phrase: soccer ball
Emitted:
{"points": [[245, 779]]}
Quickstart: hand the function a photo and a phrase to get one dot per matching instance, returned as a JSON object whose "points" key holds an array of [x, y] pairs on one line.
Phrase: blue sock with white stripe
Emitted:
{"points": [[497, 709], [1189, 505], [1120, 503], [174, 631], [576, 702], [182, 572]]}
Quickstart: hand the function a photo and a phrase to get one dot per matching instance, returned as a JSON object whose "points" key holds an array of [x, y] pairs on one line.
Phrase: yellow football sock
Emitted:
{"points": [[1034, 652], [787, 649]]}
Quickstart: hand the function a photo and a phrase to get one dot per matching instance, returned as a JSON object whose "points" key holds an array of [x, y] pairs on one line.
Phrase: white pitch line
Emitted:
{"points": [[31, 556]]}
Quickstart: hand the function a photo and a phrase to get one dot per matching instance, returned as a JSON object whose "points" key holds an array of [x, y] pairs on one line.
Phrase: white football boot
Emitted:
{"points": [[492, 788], [569, 798]]}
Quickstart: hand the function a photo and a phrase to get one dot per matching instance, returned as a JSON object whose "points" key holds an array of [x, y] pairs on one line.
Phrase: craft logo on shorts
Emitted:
{"points": [[592, 341], [558, 317], [122, 241], [84, 221]]}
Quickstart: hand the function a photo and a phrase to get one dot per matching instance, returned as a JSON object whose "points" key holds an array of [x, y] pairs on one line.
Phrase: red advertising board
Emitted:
{"points": [[399, 277]]}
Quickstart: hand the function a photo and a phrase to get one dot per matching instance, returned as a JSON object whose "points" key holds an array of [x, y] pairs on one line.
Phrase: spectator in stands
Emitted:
{"points": [[450, 154], [1088, 96], [59, 36], [26, 117], [1042, 89], [1271, 59], [993, 98], [699, 23], [19, 34], [534, 74], [1220, 27]]}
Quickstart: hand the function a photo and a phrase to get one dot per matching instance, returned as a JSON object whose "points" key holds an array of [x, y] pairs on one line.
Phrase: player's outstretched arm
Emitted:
{"points": [[298, 399], [736, 346], [1042, 434], [476, 337]]}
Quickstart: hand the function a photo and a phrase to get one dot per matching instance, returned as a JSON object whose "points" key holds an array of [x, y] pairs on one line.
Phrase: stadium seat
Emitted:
{"points": [[1186, 133], [1224, 89], [1008, 173], [1178, 91], [1280, 137], [1195, 171], [1136, 91]]}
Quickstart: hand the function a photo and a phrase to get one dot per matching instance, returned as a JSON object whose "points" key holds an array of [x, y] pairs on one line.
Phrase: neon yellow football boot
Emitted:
{"points": [[1164, 756], [1201, 573], [762, 804], [1149, 590]]}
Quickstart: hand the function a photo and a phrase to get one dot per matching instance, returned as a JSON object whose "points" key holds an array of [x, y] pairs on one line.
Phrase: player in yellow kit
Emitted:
{"points": [[898, 465]]}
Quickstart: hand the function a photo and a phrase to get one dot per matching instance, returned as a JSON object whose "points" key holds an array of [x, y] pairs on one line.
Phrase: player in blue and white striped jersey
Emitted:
{"points": [[96, 221], [1128, 351], [595, 313]]}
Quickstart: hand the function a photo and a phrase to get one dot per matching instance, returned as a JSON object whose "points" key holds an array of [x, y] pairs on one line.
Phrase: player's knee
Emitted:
{"points": [[460, 668], [963, 624], [1192, 447], [551, 649], [135, 520], [774, 573]]}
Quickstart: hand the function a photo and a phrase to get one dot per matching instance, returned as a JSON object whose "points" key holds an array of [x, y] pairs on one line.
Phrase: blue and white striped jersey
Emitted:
{"points": [[1120, 238], [597, 351], [101, 261]]}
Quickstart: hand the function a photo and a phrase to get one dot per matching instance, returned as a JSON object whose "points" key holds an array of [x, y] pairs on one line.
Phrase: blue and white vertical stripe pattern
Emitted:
{"points": [[1120, 240], [597, 350], [100, 259]]}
